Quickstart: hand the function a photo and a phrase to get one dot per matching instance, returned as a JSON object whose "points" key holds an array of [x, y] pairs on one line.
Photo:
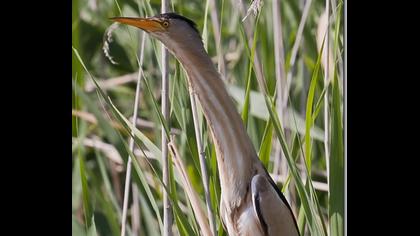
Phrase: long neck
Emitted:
{"points": [[235, 152]]}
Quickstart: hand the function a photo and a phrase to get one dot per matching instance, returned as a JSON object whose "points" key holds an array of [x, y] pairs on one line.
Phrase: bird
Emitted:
{"points": [[250, 202]]}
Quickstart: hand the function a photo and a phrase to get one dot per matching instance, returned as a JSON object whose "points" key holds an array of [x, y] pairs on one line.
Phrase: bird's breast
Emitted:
{"points": [[242, 221]]}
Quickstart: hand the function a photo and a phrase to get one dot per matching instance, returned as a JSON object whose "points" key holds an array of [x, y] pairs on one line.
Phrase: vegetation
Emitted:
{"points": [[276, 68]]}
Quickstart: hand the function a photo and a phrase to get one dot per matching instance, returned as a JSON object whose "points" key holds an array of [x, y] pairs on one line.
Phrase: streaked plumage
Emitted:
{"points": [[251, 204]]}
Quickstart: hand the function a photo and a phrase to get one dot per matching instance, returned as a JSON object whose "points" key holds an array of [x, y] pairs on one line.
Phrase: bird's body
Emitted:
{"points": [[251, 203]]}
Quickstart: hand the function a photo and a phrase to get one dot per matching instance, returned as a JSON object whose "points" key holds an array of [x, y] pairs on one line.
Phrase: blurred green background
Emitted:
{"points": [[310, 110]]}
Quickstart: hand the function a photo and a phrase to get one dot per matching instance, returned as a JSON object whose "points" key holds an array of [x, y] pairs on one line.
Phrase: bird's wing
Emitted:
{"points": [[273, 213]]}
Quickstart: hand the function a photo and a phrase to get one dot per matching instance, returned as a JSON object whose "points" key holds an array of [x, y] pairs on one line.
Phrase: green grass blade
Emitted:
{"points": [[308, 124], [336, 183], [336, 175], [107, 184], [312, 218], [205, 33], [103, 124], [139, 137], [301, 221], [245, 109], [265, 148], [87, 205], [259, 110], [150, 223], [309, 106], [319, 103], [144, 183], [76, 185], [92, 229], [157, 110], [98, 116], [105, 209], [138, 170], [177, 211]]}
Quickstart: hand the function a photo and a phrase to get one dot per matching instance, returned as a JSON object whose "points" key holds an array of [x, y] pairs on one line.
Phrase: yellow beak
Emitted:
{"points": [[146, 24]]}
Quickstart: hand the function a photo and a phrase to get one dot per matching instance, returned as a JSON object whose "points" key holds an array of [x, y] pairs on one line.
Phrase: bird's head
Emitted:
{"points": [[173, 30]]}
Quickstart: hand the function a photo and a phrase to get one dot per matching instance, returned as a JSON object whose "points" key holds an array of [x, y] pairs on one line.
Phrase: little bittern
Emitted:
{"points": [[251, 203]]}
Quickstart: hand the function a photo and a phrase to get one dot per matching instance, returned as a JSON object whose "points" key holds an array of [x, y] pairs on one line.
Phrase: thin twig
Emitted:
{"points": [[89, 117], [203, 166], [326, 105], [295, 47], [217, 38], [107, 149], [131, 146], [323, 28], [279, 56], [106, 84], [167, 211], [280, 75], [326, 80], [110, 151], [323, 31], [135, 211], [135, 219], [317, 185]]}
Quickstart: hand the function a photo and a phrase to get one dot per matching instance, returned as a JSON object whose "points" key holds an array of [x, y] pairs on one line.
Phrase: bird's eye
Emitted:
{"points": [[165, 23]]}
